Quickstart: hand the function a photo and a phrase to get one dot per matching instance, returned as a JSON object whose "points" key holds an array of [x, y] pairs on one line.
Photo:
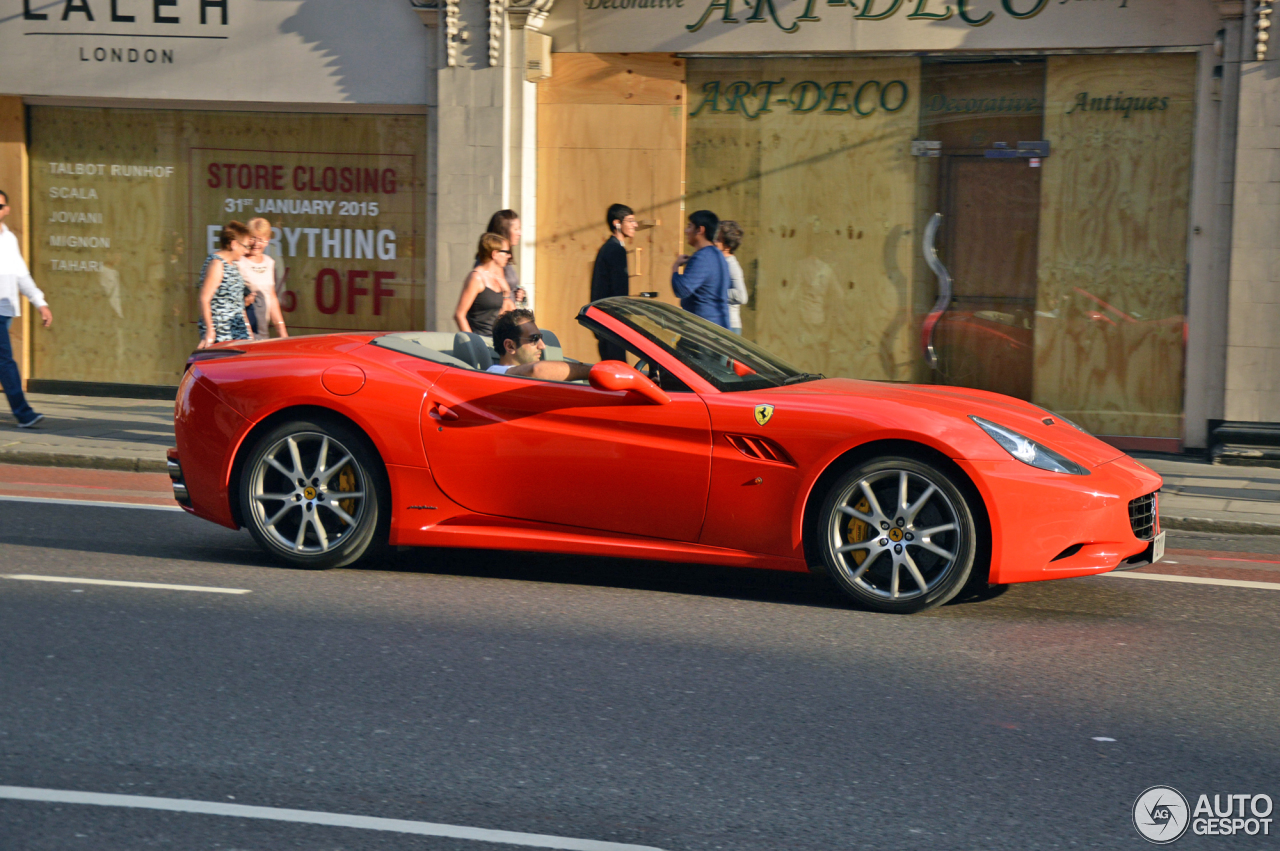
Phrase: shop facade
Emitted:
{"points": [[1073, 149], [1107, 174], [132, 131]]}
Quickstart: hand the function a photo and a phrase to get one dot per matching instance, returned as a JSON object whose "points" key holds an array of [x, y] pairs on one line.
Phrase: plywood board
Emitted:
{"points": [[828, 201], [1112, 269], [655, 79], [610, 130], [123, 205]]}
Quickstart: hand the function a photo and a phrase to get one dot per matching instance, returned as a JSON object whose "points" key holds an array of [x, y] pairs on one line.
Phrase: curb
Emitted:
{"points": [[1227, 526], [92, 462]]}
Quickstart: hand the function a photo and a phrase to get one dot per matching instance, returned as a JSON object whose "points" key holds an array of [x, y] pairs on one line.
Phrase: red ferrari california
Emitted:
{"points": [[709, 449]]}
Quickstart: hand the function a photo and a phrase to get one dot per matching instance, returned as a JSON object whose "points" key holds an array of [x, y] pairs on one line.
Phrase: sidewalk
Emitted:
{"points": [[132, 435], [91, 431]]}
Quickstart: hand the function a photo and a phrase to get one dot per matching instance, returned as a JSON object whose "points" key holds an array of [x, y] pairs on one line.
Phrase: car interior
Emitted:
{"points": [[462, 349]]}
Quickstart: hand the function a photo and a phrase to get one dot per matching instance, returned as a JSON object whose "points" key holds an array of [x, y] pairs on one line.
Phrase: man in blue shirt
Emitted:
{"points": [[704, 287]]}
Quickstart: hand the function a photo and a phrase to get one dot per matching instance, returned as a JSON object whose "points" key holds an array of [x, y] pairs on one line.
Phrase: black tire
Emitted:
{"points": [[892, 557], [296, 514]]}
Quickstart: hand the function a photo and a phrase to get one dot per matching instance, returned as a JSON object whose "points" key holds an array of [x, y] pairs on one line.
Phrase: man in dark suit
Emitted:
{"points": [[609, 275]]}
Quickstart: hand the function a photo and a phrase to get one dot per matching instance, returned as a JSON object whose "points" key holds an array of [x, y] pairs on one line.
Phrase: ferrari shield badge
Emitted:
{"points": [[764, 413]]}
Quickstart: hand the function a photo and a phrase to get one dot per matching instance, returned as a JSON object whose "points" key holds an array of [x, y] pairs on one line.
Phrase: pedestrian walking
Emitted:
{"points": [[15, 278], [609, 276], [506, 224], [485, 293], [222, 314], [729, 240], [259, 272], [704, 287]]}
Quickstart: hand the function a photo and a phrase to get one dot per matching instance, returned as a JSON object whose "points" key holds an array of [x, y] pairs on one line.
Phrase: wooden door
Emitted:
{"points": [[992, 215], [610, 130]]}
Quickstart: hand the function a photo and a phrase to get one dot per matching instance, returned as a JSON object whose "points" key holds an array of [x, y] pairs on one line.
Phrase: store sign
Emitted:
{"points": [[841, 97], [1119, 102], [216, 50], [734, 26]]}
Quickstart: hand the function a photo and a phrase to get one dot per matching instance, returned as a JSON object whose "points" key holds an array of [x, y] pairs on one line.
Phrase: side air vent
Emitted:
{"points": [[760, 449]]}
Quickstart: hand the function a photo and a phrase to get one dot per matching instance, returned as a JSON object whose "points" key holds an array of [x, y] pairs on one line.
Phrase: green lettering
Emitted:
{"points": [[757, 16], [884, 94], [1008, 7], [808, 11], [766, 100], [710, 95], [735, 93], [728, 18], [866, 15], [835, 92], [1081, 104], [857, 99], [962, 8], [933, 16], [1164, 104], [800, 90]]}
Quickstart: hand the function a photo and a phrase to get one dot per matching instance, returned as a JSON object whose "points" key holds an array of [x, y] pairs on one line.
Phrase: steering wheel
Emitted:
{"points": [[644, 367]]}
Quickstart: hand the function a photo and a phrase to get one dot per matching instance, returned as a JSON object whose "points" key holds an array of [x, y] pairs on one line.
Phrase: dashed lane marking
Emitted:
{"points": [[90, 502], [418, 828], [1197, 580], [76, 580]]}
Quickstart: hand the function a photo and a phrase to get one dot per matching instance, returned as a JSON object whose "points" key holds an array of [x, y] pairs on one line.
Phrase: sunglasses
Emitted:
{"points": [[532, 338], [503, 251]]}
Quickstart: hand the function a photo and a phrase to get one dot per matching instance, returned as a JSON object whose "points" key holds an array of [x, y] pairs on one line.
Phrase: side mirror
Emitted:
{"points": [[616, 375]]}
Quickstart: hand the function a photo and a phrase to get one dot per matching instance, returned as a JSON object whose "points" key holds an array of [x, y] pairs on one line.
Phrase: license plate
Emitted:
{"points": [[1157, 548]]}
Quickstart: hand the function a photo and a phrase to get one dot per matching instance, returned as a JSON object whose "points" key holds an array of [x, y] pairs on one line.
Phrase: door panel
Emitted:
{"points": [[992, 230], [569, 454]]}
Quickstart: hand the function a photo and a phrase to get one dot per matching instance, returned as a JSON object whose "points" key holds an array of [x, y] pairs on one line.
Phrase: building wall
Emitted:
{"points": [[1253, 348]]}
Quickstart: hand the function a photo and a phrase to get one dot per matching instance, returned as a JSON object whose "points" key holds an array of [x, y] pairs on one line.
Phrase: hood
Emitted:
{"points": [[963, 402]]}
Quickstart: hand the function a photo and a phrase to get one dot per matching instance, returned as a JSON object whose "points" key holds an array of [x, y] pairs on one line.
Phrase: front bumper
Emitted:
{"points": [[1052, 526]]}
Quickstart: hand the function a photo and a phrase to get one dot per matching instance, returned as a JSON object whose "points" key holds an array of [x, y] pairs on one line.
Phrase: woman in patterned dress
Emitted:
{"points": [[222, 290]]}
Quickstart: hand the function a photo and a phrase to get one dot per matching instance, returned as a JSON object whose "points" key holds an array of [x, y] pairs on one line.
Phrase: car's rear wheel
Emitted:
{"points": [[898, 535], [314, 494]]}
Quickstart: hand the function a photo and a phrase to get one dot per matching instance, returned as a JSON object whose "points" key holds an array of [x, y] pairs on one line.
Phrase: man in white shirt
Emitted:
{"points": [[517, 337], [15, 278]]}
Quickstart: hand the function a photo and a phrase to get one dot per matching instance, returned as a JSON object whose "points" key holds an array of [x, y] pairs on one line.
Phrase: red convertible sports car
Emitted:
{"points": [[709, 449]]}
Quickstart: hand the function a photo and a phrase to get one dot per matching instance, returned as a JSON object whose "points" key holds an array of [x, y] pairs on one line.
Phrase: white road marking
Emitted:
{"points": [[90, 502], [418, 828], [76, 580], [1197, 580], [1103, 739]]}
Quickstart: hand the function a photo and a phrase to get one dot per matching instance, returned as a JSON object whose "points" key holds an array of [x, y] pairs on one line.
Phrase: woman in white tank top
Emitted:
{"points": [[259, 272]]}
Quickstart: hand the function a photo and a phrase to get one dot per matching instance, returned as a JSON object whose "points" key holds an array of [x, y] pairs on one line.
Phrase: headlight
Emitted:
{"points": [[1028, 451]]}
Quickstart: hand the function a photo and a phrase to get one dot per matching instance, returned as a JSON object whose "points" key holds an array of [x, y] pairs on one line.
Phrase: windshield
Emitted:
{"points": [[723, 358]]}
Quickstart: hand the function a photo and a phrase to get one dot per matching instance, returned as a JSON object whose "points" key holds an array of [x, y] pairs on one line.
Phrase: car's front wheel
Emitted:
{"points": [[313, 494], [898, 535]]}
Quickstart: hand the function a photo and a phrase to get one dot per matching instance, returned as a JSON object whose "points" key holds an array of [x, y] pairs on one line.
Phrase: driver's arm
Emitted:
{"points": [[552, 370]]}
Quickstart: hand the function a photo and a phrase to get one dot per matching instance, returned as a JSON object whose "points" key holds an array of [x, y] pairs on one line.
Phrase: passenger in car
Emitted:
{"points": [[519, 343]]}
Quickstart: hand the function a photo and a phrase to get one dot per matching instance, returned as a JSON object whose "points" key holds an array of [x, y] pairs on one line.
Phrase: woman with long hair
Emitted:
{"points": [[506, 224], [222, 289], [485, 294], [259, 272]]}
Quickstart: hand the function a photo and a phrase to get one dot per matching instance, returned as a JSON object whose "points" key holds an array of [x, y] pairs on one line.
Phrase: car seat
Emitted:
{"points": [[472, 349], [552, 342]]}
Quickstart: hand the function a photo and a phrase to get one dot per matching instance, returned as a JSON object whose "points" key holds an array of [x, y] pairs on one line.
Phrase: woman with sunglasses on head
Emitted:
{"points": [[222, 289], [259, 272], [485, 294]]}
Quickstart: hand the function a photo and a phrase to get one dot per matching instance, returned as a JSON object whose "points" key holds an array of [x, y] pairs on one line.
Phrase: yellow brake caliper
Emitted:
{"points": [[859, 531], [347, 482]]}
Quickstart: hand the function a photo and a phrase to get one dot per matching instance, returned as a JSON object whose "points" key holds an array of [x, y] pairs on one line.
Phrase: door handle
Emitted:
{"points": [[443, 412]]}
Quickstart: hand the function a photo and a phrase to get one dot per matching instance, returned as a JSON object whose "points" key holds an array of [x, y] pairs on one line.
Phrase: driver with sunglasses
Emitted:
{"points": [[519, 343]]}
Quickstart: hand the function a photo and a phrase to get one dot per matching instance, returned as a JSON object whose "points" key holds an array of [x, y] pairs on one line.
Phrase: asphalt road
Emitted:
{"points": [[671, 706]]}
